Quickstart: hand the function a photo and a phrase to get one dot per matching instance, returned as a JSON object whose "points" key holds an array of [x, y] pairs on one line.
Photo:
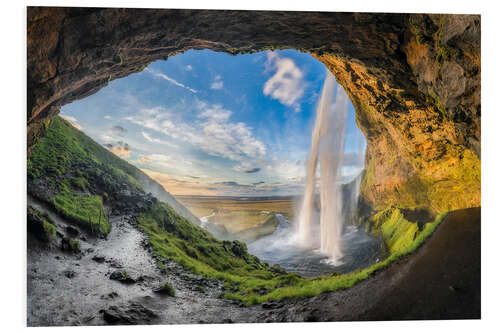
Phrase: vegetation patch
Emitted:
{"points": [[397, 232], [40, 224], [80, 183], [166, 289], [74, 245], [63, 147], [86, 211]]}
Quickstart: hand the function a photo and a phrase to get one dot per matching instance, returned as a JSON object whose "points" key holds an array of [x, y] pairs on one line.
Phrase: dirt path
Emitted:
{"points": [[75, 289]]}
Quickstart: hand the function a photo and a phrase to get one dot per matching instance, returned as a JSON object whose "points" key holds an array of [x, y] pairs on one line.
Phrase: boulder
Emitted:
{"points": [[128, 314], [122, 276]]}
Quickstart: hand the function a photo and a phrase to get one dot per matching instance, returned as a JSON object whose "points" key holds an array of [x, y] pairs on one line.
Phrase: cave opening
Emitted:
{"points": [[229, 137]]}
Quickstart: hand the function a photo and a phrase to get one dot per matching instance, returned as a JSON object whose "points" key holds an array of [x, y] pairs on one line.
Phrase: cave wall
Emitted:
{"points": [[413, 79]]}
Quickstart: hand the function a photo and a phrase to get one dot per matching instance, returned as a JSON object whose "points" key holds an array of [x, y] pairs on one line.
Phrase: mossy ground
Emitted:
{"points": [[87, 211], [397, 232]]}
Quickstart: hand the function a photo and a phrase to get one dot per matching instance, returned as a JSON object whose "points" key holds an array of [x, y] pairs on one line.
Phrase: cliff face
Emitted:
{"points": [[413, 79]]}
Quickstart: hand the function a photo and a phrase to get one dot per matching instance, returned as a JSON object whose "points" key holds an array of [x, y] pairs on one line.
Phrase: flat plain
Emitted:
{"points": [[239, 213]]}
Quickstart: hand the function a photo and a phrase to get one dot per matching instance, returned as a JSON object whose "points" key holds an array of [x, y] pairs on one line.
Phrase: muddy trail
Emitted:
{"points": [[441, 280], [77, 289]]}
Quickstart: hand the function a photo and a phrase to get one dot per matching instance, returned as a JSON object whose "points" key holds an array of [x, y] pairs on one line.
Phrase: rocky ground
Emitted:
{"points": [[115, 280], [91, 287]]}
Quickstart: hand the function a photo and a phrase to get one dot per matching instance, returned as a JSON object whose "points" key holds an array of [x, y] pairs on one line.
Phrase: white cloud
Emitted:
{"points": [[73, 121], [189, 67], [287, 171], [286, 84], [217, 83], [211, 131], [107, 117], [167, 78], [214, 112], [155, 140]]}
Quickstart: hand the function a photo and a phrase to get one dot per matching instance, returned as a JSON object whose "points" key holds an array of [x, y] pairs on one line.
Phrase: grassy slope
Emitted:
{"points": [[53, 161], [174, 237]]}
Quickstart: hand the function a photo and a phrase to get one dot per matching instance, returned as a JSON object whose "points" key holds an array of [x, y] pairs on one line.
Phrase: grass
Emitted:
{"points": [[80, 183], [172, 236], [391, 226], [50, 229], [63, 146], [86, 211], [167, 289], [75, 245], [71, 164]]}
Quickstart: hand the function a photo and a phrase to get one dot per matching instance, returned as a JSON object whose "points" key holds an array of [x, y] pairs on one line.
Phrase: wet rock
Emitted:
{"points": [[69, 274], [130, 314], [145, 278], [272, 305], [40, 225], [70, 245], [98, 258], [165, 289], [72, 231], [114, 263], [122, 276], [262, 291], [313, 316], [110, 296]]}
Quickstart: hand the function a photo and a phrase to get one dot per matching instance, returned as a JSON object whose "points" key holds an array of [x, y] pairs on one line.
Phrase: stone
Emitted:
{"points": [[128, 314], [98, 258], [69, 274], [122, 276], [72, 231]]}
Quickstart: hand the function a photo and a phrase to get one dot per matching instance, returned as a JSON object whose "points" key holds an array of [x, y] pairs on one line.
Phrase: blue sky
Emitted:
{"points": [[210, 123]]}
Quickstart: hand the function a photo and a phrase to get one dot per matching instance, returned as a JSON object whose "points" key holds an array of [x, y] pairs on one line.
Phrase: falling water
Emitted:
{"points": [[327, 145]]}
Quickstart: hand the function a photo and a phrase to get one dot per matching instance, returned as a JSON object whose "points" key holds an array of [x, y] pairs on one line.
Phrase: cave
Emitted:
{"points": [[414, 80]]}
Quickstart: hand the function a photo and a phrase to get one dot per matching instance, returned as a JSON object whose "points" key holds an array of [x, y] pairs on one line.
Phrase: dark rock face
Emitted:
{"points": [[413, 79], [128, 314]]}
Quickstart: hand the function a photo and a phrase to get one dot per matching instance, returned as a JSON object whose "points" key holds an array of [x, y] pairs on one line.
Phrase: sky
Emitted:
{"points": [[208, 123]]}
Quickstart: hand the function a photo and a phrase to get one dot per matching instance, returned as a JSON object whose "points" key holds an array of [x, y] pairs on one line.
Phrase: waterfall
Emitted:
{"points": [[327, 146]]}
